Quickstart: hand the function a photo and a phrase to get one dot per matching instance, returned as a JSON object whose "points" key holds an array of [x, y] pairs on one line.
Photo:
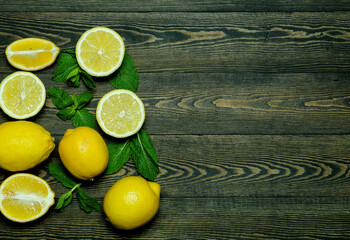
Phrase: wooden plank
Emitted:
{"points": [[203, 42], [236, 103], [237, 166], [202, 218], [174, 6]]}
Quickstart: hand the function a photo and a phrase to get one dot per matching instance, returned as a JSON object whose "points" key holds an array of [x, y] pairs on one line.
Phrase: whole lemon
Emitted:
{"points": [[83, 152], [131, 202], [23, 145]]}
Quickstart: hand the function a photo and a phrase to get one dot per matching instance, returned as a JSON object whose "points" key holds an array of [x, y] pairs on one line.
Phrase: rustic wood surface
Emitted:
{"points": [[247, 104]]}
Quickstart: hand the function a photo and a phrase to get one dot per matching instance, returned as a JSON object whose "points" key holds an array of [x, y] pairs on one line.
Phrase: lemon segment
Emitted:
{"points": [[25, 197], [22, 95], [120, 113], [31, 54], [100, 51]]}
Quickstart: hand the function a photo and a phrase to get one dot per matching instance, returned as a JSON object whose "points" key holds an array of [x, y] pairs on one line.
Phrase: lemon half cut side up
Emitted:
{"points": [[22, 95], [100, 51], [120, 113]]}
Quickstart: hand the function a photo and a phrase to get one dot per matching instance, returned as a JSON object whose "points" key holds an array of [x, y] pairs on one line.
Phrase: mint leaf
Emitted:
{"points": [[73, 73], [64, 200], [87, 203], [61, 175], [66, 114], [67, 64], [126, 76], [83, 117], [146, 141], [145, 163], [119, 154], [59, 97], [71, 52], [82, 99], [87, 79], [74, 81]]}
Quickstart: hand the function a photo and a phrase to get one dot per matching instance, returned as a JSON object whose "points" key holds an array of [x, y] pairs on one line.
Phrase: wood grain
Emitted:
{"points": [[236, 103], [175, 6], [202, 218], [203, 42], [247, 105]]}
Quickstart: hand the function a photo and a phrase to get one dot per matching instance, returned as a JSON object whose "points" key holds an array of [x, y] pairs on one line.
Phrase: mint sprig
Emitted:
{"points": [[73, 107], [68, 70], [140, 147], [86, 203]]}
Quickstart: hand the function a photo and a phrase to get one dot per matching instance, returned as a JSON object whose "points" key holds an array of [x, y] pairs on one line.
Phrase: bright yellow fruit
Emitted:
{"points": [[22, 95], [25, 197], [83, 152], [23, 145], [131, 202], [120, 113], [100, 51], [31, 54]]}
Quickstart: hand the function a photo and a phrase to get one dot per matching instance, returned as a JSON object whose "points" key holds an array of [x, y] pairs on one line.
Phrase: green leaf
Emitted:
{"points": [[148, 146], [73, 73], [69, 51], [83, 117], [87, 79], [61, 175], [66, 114], [64, 200], [74, 81], [87, 203], [119, 154], [146, 165], [60, 98], [82, 99], [67, 64], [126, 76]]}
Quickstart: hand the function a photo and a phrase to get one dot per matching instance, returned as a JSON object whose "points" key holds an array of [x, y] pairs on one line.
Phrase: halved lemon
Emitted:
{"points": [[120, 113], [100, 51], [25, 197], [31, 54], [22, 95]]}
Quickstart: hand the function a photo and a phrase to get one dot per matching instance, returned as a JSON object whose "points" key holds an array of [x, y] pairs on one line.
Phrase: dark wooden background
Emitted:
{"points": [[247, 103]]}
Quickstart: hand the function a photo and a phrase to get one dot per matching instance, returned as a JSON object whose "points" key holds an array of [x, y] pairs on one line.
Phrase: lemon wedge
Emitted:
{"points": [[25, 197], [31, 54]]}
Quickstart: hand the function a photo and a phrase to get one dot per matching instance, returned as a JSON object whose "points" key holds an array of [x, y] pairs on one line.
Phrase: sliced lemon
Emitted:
{"points": [[22, 95], [120, 113], [25, 197], [31, 54], [100, 51]]}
